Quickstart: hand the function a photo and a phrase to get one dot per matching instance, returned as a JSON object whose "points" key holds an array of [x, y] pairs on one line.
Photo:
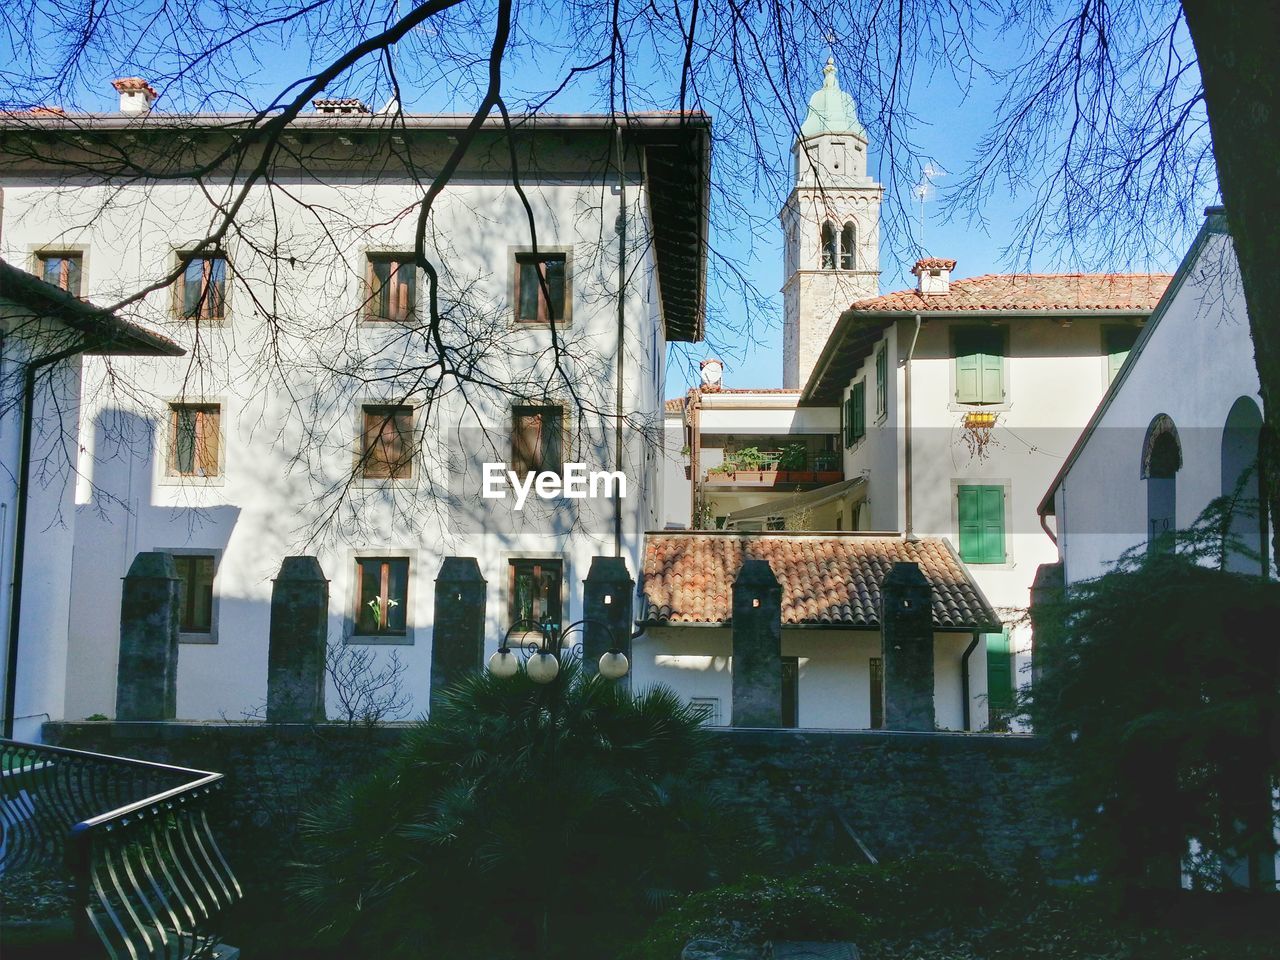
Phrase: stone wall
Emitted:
{"points": [[970, 794]]}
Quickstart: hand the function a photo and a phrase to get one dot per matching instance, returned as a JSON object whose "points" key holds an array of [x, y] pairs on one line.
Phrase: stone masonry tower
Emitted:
{"points": [[831, 225]]}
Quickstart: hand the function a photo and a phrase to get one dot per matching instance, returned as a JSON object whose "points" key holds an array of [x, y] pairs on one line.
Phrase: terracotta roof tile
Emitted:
{"points": [[933, 263], [1047, 292], [674, 406], [828, 578], [135, 85]]}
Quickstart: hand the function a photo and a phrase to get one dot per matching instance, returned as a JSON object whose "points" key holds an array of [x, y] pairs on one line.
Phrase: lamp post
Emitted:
{"points": [[545, 654]]}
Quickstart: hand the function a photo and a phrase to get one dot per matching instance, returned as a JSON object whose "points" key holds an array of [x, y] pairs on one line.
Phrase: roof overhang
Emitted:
{"points": [[103, 331]]}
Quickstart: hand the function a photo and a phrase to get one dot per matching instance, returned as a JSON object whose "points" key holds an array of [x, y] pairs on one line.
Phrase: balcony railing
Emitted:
{"points": [[146, 877], [769, 468]]}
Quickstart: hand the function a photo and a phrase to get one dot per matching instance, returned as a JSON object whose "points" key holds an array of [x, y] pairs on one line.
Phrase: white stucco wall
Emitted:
{"points": [[50, 526], [279, 477], [1194, 363], [834, 682]]}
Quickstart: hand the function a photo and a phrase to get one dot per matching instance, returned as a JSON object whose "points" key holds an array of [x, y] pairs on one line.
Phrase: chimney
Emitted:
{"points": [[136, 95], [340, 107], [933, 276], [712, 375]]}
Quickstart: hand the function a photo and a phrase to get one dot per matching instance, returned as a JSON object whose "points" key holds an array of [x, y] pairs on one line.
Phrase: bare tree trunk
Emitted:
{"points": [[1236, 47]]}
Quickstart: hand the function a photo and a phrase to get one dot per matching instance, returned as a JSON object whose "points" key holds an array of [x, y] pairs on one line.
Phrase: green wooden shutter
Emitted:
{"points": [[981, 523], [970, 524], [1119, 341], [999, 672], [979, 366], [968, 374], [991, 361], [859, 410], [992, 524], [847, 420]]}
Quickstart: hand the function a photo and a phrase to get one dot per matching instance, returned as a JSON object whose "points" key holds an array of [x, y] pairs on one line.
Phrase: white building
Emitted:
{"points": [[959, 400], [1178, 427], [46, 333], [313, 414]]}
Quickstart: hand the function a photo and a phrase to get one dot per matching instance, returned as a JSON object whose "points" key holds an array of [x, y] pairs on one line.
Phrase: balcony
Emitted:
{"points": [[791, 468]]}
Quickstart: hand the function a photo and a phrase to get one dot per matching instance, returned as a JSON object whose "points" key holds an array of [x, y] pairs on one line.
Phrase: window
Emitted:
{"points": [[1117, 341], [706, 709], [387, 440], [382, 602], [541, 287], [979, 371], [392, 286], [202, 288], [534, 591], [828, 247], [1161, 461], [195, 592], [847, 259], [999, 680], [776, 523], [981, 513], [791, 691], [855, 414], [837, 155], [62, 270], [882, 379], [195, 440], [537, 439], [876, 676]]}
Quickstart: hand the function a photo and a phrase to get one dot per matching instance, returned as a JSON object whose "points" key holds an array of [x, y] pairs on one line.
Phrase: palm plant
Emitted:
{"points": [[520, 819]]}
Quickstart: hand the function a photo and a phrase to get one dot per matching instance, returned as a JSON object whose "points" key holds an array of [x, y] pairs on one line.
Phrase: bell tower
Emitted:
{"points": [[830, 225]]}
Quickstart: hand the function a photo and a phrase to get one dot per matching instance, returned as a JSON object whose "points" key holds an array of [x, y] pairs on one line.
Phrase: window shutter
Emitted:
{"points": [[551, 452], [979, 366], [970, 524], [991, 361], [526, 440], [859, 410], [992, 508], [206, 441], [968, 374], [999, 672], [1119, 341]]}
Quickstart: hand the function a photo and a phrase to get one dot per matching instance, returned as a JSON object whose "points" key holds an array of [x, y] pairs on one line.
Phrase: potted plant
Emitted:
{"points": [[793, 461]]}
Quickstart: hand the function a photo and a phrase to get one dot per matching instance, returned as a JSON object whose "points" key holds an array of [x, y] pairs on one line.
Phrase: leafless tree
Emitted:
{"points": [[368, 692]]}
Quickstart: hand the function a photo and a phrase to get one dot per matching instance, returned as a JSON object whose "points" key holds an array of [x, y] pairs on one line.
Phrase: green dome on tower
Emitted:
{"points": [[831, 110]]}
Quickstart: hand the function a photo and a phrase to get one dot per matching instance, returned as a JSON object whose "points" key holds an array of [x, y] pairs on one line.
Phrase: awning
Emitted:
{"points": [[785, 506]]}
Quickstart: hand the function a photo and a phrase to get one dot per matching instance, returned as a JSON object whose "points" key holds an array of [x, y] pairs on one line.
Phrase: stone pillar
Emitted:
{"points": [[147, 675], [1048, 593], [457, 643], [296, 646], [906, 632], [607, 596], [757, 646]]}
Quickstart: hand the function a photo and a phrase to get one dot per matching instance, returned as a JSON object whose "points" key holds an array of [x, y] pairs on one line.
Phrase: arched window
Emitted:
{"points": [[847, 238], [1161, 461], [828, 247], [1240, 480]]}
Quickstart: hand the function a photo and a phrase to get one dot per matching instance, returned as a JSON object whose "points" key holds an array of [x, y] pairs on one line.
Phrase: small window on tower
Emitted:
{"points": [[828, 246]]}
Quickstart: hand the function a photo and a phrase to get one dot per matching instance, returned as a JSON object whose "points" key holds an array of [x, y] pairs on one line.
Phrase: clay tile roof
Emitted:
{"points": [[1034, 292], [674, 406], [135, 84], [933, 263], [48, 111], [828, 579]]}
